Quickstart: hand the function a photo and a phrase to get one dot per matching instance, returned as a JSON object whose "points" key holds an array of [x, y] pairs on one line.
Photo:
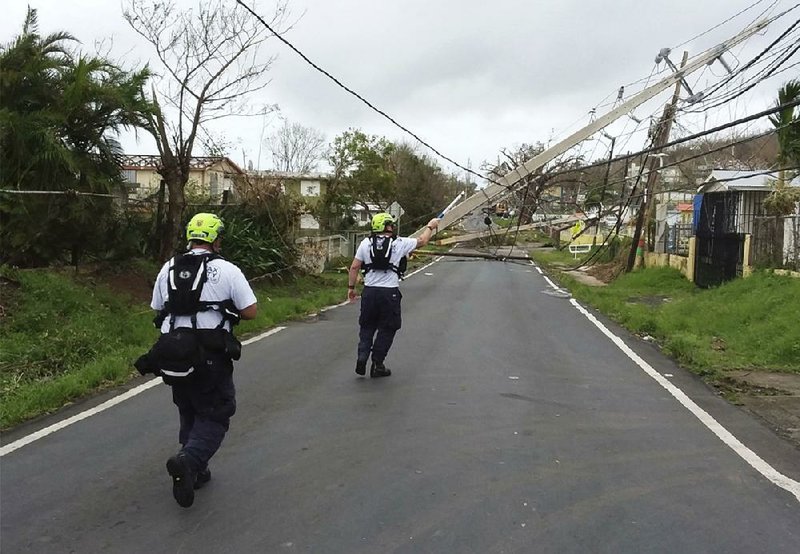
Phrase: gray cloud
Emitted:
{"points": [[469, 76]]}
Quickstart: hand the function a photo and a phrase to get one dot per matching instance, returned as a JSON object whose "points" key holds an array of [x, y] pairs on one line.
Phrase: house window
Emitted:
{"points": [[309, 188], [128, 176]]}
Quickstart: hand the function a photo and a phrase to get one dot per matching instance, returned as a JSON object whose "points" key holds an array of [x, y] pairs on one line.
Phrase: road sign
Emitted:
{"points": [[396, 210]]}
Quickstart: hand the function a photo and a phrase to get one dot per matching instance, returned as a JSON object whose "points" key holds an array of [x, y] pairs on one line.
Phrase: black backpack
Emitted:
{"points": [[185, 279], [180, 354], [380, 257]]}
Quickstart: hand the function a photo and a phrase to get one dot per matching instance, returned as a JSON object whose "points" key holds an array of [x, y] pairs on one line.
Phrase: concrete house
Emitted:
{"points": [[208, 175], [309, 188]]}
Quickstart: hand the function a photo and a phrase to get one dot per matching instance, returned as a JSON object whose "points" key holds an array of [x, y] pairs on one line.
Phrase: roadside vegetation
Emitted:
{"points": [[746, 323], [65, 335], [66, 332]]}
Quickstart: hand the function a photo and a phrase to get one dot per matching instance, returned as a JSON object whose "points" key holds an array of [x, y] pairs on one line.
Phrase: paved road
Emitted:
{"points": [[511, 424]]}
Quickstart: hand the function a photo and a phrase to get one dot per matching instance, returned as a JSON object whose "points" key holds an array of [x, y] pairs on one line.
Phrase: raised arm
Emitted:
{"points": [[427, 233]]}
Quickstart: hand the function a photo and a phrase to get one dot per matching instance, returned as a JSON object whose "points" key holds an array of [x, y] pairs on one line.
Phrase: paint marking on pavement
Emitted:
{"points": [[49, 430], [705, 418], [41, 433], [551, 283], [339, 305], [77, 417], [263, 335], [424, 267]]}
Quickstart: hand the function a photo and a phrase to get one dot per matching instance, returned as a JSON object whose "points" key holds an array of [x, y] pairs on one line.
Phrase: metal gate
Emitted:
{"points": [[720, 249], [719, 259], [767, 242]]}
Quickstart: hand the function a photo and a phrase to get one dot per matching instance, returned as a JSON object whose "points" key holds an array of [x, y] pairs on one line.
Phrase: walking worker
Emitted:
{"points": [[199, 297], [383, 257]]}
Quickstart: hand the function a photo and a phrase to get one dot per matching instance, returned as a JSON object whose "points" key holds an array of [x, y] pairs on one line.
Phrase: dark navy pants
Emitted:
{"points": [[380, 313], [205, 406]]}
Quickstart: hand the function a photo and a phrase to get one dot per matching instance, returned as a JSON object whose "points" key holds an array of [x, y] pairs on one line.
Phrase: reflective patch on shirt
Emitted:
{"points": [[212, 273]]}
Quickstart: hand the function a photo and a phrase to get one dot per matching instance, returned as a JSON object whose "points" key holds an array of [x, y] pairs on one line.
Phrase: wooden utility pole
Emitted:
{"points": [[660, 139]]}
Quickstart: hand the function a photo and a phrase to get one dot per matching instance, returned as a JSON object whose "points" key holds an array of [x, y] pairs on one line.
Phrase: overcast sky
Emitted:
{"points": [[469, 76]]}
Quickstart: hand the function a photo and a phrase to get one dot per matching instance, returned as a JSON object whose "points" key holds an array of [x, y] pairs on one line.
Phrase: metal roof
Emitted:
{"points": [[732, 180]]}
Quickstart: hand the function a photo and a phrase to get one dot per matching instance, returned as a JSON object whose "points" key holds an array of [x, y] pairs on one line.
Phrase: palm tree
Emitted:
{"points": [[787, 124], [60, 115], [31, 68]]}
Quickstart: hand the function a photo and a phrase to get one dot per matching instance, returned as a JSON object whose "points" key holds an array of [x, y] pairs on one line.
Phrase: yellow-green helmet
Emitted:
{"points": [[204, 227], [380, 221]]}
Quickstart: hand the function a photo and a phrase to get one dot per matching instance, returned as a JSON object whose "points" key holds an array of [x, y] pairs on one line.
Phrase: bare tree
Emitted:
{"points": [[296, 148], [209, 62]]}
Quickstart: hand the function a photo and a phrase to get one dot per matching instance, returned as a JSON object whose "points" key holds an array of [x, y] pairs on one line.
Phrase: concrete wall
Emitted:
{"points": [[315, 252], [684, 264]]}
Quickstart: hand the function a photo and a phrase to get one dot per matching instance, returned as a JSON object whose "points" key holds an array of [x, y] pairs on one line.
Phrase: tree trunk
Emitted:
{"points": [[176, 184]]}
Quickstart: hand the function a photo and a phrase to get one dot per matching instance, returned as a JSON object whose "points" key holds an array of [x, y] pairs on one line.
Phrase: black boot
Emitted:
{"points": [[202, 478], [361, 367], [183, 479], [379, 370]]}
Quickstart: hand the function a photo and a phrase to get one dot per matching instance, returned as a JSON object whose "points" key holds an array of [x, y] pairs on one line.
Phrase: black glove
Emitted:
{"points": [[143, 365], [229, 312], [159, 319]]}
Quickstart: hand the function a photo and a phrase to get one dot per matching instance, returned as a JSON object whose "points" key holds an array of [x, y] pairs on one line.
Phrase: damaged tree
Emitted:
{"points": [[209, 63]]}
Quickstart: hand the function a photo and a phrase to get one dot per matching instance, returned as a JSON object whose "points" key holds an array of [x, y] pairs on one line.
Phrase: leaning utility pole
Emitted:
{"points": [[660, 138], [505, 183]]}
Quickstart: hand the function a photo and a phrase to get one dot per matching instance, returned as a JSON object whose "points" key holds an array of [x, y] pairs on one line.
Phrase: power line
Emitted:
{"points": [[436, 151], [717, 129], [718, 25], [67, 192], [354, 93], [769, 72], [755, 59]]}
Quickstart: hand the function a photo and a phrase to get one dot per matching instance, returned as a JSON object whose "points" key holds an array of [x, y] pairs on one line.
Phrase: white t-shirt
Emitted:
{"points": [[403, 246], [224, 281]]}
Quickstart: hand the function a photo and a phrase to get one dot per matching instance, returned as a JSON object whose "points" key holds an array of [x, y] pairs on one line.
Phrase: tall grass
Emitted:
{"points": [[747, 323], [63, 338]]}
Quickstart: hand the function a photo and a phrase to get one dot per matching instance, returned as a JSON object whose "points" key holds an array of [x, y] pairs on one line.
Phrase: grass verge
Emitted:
{"points": [[744, 324], [64, 336]]}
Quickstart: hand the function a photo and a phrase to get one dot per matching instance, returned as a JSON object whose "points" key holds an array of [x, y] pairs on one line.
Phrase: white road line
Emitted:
{"points": [[551, 283], [49, 430], [77, 417], [713, 425], [423, 267], [41, 433], [339, 305], [262, 335]]}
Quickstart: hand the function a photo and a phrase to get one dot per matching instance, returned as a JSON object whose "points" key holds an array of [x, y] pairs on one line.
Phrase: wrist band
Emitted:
{"points": [[351, 286], [429, 228]]}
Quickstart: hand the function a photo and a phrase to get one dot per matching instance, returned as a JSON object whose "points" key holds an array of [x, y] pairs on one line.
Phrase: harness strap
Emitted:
{"points": [[226, 308], [392, 267], [366, 268]]}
